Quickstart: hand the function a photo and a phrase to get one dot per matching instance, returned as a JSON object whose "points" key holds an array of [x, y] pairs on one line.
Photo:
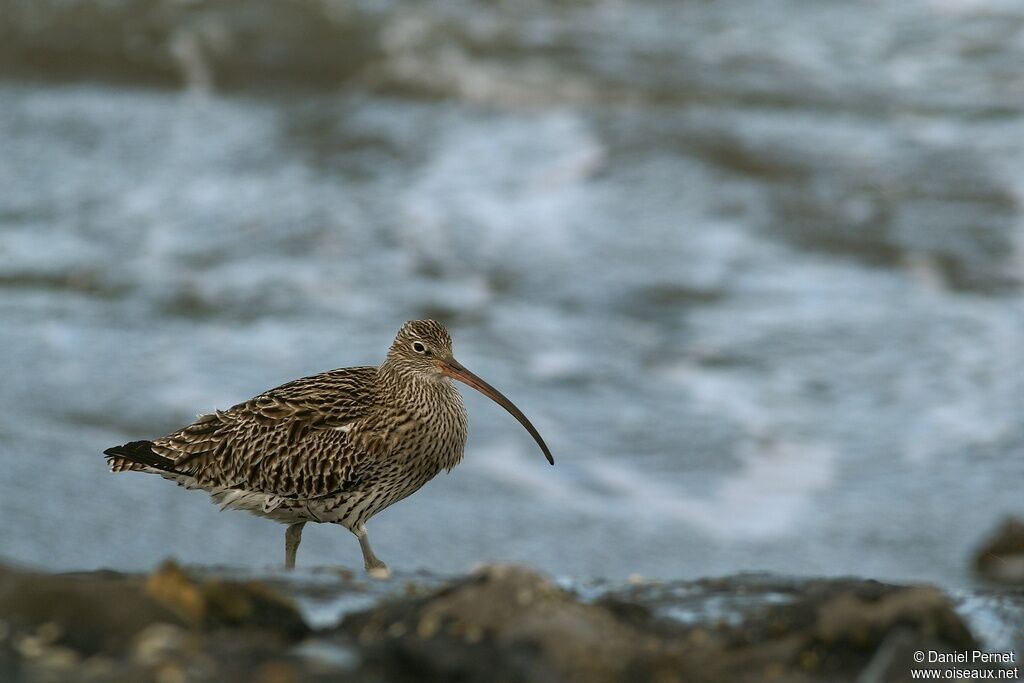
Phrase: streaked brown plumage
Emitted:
{"points": [[335, 447]]}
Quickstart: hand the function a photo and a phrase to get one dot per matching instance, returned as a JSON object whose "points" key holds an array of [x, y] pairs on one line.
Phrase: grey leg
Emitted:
{"points": [[374, 567], [292, 538]]}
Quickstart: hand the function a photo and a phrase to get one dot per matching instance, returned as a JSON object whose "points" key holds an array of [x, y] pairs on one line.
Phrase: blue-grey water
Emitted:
{"points": [[753, 269]]}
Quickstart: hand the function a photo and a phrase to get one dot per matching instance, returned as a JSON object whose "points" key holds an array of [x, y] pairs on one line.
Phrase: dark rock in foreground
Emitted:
{"points": [[510, 624], [501, 623], [110, 626], [1001, 557]]}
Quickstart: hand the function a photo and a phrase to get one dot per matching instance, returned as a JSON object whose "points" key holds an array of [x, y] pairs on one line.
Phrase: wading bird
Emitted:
{"points": [[335, 447]]}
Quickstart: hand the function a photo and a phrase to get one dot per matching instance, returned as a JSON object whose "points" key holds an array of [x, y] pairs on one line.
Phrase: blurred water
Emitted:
{"points": [[754, 272]]}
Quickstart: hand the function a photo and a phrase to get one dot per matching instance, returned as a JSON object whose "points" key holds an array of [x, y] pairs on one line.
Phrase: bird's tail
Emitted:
{"points": [[136, 456]]}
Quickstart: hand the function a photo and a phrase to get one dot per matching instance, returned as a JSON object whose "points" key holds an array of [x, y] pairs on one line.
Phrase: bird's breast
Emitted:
{"points": [[428, 432]]}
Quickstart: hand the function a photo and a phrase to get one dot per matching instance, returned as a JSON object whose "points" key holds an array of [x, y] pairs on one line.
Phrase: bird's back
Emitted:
{"points": [[292, 440]]}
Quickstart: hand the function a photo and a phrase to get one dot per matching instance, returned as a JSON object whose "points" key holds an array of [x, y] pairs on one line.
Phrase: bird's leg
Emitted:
{"points": [[374, 567], [292, 538]]}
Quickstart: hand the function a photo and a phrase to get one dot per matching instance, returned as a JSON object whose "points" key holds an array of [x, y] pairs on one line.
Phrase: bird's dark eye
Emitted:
{"points": [[418, 347]]}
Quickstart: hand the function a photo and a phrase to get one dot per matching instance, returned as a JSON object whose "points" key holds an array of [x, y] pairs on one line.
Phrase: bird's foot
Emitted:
{"points": [[378, 570]]}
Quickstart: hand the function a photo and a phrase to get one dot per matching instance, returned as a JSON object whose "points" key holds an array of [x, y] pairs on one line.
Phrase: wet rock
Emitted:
{"points": [[752, 628], [501, 623], [840, 629], [511, 624], [1000, 558], [94, 626], [91, 613], [217, 603]]}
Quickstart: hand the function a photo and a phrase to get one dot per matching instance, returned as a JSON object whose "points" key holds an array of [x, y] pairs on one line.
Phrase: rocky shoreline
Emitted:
{"points": [[500, 623]]}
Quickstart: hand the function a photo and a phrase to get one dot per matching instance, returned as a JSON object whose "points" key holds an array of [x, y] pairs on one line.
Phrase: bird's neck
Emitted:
{"points": [[430, 402], [401, 386]]}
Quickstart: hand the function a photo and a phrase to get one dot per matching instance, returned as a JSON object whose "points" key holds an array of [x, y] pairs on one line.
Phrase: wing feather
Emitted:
{"points": [[289, 441]]}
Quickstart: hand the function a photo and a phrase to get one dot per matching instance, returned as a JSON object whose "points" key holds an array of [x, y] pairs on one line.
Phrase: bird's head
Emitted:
{"points": [[423, 348]]}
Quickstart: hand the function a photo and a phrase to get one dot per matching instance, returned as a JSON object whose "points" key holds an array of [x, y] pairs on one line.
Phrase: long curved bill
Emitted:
{"points": [[455, 370]]}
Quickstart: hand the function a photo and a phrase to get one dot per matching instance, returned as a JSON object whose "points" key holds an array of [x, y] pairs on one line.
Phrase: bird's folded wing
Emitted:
{"points": [[291, 441]]}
